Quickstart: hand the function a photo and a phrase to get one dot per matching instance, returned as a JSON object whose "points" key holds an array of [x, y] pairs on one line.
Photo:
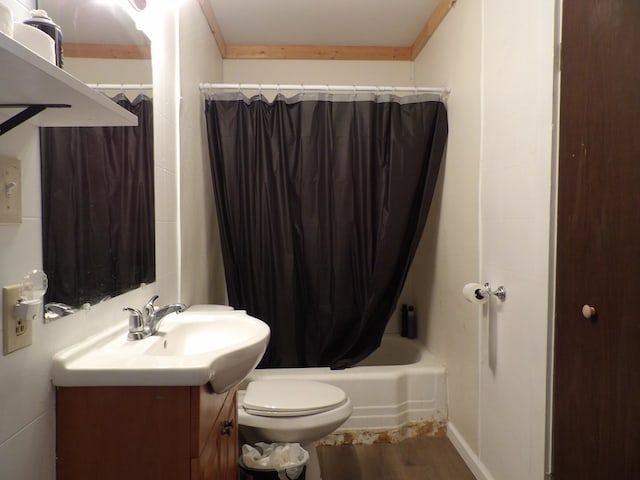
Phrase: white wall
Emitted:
{"points": [[497, 57], [447, 256], [515, 184], [201, 262], [109, 70], [27, 442], [333, 72]]}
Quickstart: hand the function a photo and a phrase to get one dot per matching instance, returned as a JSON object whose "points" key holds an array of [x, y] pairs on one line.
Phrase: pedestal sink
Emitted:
{"points": [[198, 346]]}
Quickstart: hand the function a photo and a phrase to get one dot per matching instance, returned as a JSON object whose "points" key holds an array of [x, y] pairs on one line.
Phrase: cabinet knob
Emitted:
{"points": [[227, 427], [588, 311]]}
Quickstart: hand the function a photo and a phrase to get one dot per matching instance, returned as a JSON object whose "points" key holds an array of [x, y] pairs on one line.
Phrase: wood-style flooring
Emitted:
{"points": [[424, 458]]}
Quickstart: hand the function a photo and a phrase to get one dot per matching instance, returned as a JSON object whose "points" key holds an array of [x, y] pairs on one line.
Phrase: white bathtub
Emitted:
{"points": [[400, 384]]}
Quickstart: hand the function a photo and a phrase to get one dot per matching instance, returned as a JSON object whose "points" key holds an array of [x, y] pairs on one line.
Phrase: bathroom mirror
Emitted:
{"points": [[98, 209]]}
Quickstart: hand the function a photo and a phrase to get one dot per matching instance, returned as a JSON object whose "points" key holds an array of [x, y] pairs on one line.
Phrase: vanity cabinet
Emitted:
{"points": [[172, 433]]}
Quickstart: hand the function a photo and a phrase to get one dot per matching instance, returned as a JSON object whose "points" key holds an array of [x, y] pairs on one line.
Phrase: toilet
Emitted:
{"points": [[294, 411]]}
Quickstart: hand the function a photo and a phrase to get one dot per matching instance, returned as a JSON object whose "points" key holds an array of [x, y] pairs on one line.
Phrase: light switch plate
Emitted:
{"points": [[16, 333], [10, 191]]}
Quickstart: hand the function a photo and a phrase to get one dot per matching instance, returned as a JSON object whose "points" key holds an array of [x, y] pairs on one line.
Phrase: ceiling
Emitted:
{"points": [[324, 29], [335, 29], [326, 22]]}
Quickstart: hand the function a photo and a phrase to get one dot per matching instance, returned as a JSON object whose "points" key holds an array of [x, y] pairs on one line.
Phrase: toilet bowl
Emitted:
{"points": [[294, 411]]}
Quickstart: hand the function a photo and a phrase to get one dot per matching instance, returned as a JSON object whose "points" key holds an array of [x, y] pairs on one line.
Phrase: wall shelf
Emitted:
{"points": [[28, 82]]}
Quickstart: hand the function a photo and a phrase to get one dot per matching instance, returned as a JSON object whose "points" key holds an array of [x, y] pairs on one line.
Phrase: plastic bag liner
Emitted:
{"points": [[287, 459]]}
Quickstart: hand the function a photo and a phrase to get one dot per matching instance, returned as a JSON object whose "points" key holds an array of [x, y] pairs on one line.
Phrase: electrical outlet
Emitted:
{"points": [[16, 333]]}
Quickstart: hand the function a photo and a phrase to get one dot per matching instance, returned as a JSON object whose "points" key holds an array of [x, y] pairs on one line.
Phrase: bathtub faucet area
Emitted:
{"points": [[145, 323]]}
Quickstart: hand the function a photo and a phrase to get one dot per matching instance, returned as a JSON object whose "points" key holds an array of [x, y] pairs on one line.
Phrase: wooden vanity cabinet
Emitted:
{"points": [[140, 433]]}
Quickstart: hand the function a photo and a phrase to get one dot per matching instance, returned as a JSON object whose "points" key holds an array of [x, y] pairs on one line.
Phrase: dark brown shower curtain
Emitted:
{"points": [[321, 202], [98, 207]]}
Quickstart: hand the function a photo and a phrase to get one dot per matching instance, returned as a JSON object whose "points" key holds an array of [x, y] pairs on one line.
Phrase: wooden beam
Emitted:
{"points": [[430, 27], [205, 5], [316, 52], [92, 50]]}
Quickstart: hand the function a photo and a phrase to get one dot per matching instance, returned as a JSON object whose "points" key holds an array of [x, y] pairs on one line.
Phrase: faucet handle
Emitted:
{"points": [[150, 307], [152, 300], [136, 325]]}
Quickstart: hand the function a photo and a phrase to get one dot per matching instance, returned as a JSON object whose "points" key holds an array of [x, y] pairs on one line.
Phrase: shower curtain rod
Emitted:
{"points": [[121, 86], [442, 92]]}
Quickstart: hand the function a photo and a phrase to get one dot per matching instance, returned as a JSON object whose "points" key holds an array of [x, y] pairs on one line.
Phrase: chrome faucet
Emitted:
{"points": [[59, 309], [144, 324], [152, 314], [136, 325]]}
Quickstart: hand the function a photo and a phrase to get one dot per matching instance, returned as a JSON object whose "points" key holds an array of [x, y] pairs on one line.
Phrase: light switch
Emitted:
{"points": [[10, 191]]}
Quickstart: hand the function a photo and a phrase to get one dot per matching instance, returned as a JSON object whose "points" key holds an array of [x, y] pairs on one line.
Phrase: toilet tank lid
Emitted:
{"points": [[291, 397]]}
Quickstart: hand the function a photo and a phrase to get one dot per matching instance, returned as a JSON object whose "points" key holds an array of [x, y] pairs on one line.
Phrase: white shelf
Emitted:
{"points": [[27, 78]]}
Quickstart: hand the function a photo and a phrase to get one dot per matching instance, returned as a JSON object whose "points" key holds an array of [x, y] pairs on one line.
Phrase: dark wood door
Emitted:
{"points": [[596, 422]]}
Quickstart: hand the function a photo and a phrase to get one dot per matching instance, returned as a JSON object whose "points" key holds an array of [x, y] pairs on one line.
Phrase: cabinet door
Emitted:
{"points": [[124, 433], [218, 453], [228, 453], [206, 406]]}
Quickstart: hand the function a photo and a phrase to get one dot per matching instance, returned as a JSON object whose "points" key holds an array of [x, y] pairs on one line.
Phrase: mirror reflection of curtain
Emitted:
{"points": [[321, 203], [98, 207]]}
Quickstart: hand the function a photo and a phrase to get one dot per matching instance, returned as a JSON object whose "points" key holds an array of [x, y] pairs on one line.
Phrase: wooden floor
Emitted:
{"points": [[425, 458]]}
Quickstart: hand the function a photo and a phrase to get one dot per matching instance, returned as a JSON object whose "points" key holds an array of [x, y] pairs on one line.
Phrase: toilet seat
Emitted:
{"points": [[284, 398]]}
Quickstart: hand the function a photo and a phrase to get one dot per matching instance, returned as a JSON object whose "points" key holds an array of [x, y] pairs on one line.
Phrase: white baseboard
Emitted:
{"points": [[468, 455]]}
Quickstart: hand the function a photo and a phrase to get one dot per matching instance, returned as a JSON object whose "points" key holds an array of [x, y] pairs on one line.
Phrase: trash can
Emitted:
{"points": [[267, 473], [274, 461]]}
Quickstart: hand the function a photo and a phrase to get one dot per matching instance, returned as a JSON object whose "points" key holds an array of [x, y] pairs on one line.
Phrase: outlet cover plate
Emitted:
{"points": [[10, 191], [16, 333]]}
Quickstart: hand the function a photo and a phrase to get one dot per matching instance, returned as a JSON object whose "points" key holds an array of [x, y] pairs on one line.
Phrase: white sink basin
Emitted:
{"points": [[198, 346]]}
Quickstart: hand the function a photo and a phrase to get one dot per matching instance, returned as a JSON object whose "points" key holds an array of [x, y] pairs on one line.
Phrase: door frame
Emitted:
{"points": [[553, 238]]}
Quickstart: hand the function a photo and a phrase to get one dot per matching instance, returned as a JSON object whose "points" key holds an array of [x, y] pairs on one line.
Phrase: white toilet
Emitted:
{"points": [[294, 411]]}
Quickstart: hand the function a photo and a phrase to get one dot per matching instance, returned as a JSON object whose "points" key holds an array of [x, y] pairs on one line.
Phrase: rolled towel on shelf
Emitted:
{"points": [[6, 20], [35, 40]]}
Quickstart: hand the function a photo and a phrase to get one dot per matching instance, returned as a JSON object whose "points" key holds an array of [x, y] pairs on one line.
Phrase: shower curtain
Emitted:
{"points": [[322, 200], [98, 207]]}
